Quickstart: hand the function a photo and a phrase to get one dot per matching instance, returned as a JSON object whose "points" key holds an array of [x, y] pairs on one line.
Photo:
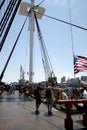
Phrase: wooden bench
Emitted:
{"points": [[68, 104]]}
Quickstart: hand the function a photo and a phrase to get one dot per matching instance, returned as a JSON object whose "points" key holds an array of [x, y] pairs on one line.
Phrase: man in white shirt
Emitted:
{"points": [[64, 96], [85, 93], [79, 106]]}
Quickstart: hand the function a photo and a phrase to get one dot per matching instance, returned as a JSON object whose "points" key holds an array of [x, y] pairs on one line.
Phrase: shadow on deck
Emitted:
{"points": [[18, 113]]}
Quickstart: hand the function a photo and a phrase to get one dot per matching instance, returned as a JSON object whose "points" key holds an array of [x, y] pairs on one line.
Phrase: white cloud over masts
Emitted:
{"points": [[55, 2]]}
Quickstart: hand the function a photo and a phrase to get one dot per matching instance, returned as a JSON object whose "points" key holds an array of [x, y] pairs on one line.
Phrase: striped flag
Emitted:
{"points": [[80, 64]]}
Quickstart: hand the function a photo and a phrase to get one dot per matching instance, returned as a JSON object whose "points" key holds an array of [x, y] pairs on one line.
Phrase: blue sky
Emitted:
{"points": [[57, 37]]}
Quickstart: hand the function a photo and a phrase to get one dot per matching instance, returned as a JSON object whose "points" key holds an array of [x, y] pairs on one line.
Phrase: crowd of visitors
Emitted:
{"points": [[50, 93]]}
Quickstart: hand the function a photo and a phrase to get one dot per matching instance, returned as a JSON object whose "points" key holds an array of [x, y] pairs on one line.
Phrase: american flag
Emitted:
{"points": [[80, 64]]}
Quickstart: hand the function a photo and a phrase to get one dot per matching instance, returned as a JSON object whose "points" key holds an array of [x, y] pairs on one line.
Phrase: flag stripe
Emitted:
{"points": [[80, 64]]}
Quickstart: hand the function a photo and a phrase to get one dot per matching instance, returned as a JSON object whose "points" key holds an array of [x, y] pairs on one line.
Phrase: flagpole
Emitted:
{"points": [[71, 35]]}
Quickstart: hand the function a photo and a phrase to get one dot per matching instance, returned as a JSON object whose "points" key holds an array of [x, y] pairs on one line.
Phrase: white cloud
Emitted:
{"points": [[55, 2], [60, 3]]}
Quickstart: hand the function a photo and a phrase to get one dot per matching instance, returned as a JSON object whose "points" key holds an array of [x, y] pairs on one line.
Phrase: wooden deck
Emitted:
{"points": [[18, 113]]}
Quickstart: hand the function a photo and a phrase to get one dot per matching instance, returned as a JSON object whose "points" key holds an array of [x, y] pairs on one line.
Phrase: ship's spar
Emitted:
{"points": [[34, 12], [45, 58]]}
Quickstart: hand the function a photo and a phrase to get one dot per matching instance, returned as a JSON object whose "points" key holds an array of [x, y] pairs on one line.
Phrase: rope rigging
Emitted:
{"points": [[40, 2], [2, 3], [3, 71], [7, 20], [4, 21], [49, 73], [59, 20], [7, 15], [71, 30]]}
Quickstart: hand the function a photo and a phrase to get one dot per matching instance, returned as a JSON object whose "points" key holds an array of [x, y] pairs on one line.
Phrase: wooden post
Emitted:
{"points": [[68, 105], [68, 120], [85, 115]]}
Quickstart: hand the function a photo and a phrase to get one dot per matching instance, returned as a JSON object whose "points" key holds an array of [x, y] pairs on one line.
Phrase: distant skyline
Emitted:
{"points": [[57, 37]]}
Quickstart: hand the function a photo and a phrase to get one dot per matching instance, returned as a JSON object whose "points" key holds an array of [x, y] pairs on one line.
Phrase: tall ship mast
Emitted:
{"points": [[28, 10]]}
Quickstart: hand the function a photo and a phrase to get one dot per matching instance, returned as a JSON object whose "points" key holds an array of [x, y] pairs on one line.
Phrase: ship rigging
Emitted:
{"points": [[34, 12]]}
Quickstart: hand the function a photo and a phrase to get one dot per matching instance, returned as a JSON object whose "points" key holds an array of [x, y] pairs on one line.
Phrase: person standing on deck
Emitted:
{"points": [[64, 96], [49, 98], [79, 106], [85, 93], [37, 95]]}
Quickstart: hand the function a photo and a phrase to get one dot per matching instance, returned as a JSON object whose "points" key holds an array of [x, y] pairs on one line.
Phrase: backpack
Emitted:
{"points": [[48, 93]]}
